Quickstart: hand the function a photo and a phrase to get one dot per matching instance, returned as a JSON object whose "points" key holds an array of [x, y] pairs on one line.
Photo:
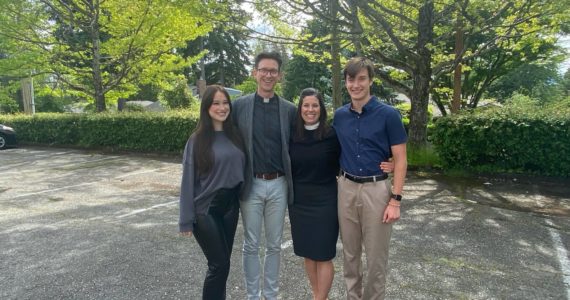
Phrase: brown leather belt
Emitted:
{"points": [[363, 179], [268, 176]]}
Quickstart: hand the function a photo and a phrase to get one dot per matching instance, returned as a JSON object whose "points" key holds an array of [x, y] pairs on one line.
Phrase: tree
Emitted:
{"points": [[483, 71], [226, 55], [409, 39], [302, 73], [540, 81], [104, 48], [226, 49]]}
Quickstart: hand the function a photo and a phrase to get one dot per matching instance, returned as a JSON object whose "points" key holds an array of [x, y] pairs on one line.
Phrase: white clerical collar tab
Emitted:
{"points": [[312, 127]]}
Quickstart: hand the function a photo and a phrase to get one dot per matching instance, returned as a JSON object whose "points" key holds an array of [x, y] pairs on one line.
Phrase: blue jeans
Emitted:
{"points": [[266, 204]]}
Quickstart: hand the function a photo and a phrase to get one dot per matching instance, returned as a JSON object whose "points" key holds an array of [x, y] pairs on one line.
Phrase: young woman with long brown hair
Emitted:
{"points": [[213, 171]]}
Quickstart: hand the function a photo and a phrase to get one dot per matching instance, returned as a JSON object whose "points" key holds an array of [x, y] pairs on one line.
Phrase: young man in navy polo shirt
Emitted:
{"points": [[369, 132]]}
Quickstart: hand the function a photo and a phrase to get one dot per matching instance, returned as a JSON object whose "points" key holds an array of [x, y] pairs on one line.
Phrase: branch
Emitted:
{"points": [[399, 86], [396, 63], [396, 14], [74, 86], [373, 14]]}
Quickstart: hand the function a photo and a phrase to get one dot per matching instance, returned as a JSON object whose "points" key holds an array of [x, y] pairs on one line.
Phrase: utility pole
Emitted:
{"points": [[28, 95]]}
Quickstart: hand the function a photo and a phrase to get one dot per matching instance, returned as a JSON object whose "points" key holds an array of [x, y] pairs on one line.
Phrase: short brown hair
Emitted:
{"points": [[268, 55], [355, 64]]}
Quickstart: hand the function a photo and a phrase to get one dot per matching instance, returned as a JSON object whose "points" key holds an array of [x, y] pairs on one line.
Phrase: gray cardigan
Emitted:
{"points": [[242, 113]]}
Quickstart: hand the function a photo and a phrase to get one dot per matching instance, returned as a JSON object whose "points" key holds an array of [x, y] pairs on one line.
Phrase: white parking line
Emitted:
{"points": [[86, 183], [138, 211], [13, 171], [53, 190], [562, 256], [139, 172]]}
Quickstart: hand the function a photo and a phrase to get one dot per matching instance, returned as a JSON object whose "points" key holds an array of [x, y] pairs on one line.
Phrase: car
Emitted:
{"points": [[7, 136]]}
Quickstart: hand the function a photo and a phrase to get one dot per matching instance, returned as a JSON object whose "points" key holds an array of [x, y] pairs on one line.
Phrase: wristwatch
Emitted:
{"points": [[396, 197]]}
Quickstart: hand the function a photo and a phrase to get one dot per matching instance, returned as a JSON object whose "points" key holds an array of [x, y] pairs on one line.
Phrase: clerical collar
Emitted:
{"points": [[265, 100], [312, 127]]}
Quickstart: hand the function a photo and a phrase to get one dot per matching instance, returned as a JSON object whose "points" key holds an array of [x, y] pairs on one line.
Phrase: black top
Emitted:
{"points": [[313, 161], [267, 148]]}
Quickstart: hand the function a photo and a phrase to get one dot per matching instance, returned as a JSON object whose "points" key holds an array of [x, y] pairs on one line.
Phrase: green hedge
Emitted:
{"points": [[506, 140], [155, 132]]}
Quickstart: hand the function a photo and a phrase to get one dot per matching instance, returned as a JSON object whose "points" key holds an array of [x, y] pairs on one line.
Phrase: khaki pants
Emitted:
{"points": [[360, 211]]}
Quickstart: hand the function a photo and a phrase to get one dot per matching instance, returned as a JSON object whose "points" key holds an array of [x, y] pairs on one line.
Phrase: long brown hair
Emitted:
{"points": [[204, 133], [323, 128]]}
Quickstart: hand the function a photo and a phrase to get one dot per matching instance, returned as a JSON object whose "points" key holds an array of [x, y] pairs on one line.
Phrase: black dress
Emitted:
{"points": [[313, 214]]}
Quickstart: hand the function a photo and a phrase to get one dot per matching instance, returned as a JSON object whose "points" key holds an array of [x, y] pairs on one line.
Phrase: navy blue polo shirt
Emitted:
{"points": [[365, 138]]}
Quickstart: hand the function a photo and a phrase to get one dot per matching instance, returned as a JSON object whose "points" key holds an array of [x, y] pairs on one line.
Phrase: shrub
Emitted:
{"points": [[179, 96], [154, 132], [521, 137], [248, 86]]}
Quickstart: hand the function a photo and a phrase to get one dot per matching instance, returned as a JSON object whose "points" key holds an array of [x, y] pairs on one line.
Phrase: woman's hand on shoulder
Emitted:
{"points": [[186, 233]]}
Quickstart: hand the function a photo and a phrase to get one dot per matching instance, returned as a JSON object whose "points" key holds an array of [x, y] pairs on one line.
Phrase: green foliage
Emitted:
{"points": [[148, 92], [49, 100], [103, 51], [301, 73], [45, 128], [250, 86], [423, 157], [536, 80], [180, 96], [7, 103], [405, 109], [131, 107], [566, 83], [154, 132], [521, 137], [227, 51]]}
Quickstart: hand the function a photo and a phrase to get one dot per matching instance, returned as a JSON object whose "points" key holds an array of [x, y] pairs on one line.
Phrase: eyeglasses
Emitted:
{"points": [[266, 72]]}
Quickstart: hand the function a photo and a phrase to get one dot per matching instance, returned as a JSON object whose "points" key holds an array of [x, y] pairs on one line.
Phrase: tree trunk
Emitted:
{"points": [[456, 102], [335, 57], [98, 89], [221, 70], [356, 27], [486, 83], [437, 100], [418, 114], [421, 77]]}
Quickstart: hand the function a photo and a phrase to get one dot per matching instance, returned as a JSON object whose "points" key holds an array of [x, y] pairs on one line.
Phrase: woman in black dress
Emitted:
{"points": [[314, 152]]}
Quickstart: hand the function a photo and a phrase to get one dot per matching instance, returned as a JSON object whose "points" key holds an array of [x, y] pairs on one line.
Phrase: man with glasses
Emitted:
{"points": [[264, 120]]}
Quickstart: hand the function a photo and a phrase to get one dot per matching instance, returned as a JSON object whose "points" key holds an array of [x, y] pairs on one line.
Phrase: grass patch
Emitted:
{"points": [[423, 157]]}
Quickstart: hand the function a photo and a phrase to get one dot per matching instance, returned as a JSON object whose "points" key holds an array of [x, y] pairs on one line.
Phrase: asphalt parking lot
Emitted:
{"points": [[77, 224]]}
